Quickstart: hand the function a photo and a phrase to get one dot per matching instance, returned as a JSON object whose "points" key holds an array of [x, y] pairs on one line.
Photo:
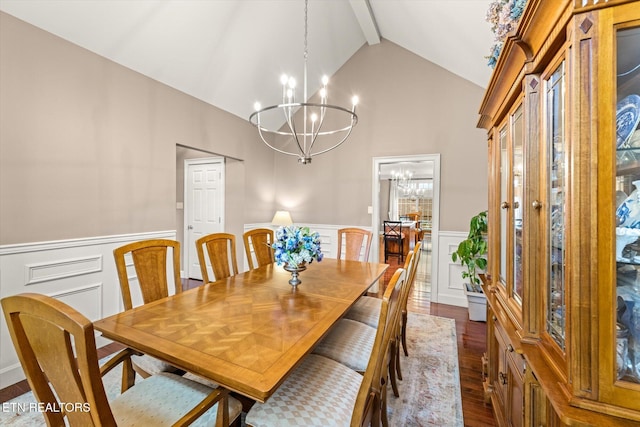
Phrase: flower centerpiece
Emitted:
{"points": [[295, 247]]}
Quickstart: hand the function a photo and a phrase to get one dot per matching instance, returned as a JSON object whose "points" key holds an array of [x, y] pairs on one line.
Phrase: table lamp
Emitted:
{"points": [[282, 218]]}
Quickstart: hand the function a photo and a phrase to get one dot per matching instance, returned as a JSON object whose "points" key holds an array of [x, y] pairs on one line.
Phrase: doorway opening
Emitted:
{"points": [[407, 188]]}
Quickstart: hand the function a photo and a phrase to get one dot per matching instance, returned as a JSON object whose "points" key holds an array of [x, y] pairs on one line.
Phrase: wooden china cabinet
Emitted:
{"points": [[562, 285]]}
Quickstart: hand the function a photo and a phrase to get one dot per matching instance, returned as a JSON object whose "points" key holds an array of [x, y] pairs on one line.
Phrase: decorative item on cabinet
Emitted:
{"points": [[470, 253]]}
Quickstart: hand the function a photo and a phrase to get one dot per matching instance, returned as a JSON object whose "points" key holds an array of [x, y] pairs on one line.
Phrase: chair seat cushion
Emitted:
{"points": [[350, 343], [199, 379], [366, 310], [163, 399], [320, 392], [151, 365]]}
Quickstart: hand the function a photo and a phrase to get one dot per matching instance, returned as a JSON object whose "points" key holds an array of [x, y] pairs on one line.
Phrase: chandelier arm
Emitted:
{"points": [[274, 148], [288, 117], [335, 146], [292, 127], [315, 134]]}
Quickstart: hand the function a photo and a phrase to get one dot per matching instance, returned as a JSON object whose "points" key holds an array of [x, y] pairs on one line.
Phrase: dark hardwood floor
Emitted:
{"points": [[471, 345]]}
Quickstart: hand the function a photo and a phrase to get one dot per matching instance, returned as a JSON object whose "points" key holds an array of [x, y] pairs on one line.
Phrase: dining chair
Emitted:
{"points": [[415, 216], [257, 244], [56, 347], [405, 297], [393, 239], [402, 324], [350, 342], [149, 258], [366, 310], [221, 248], [354, 240], [322, 391]]}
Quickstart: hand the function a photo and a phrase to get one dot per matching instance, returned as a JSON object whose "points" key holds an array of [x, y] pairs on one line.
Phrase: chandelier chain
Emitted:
{"points": [[306, 31]]}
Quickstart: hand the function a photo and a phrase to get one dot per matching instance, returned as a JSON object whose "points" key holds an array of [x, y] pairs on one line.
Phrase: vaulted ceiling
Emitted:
{"points": [[230, 53]]}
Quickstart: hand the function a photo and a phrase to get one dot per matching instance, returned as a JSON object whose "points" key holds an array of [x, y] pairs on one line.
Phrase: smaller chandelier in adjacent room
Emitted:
{"points": [[310, 128], [406, 186]]}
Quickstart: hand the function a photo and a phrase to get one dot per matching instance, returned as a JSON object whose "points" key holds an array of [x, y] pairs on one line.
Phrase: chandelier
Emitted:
{"points": [[305, 133], [406, 186]]}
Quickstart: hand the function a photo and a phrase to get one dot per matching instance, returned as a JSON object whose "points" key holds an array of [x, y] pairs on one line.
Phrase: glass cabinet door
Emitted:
{"points": [[504, 211], [517, 135], [556, 208], [627, 210]]}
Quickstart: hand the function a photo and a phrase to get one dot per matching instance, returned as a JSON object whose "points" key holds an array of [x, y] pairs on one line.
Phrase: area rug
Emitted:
{"points": [[429, 394]]}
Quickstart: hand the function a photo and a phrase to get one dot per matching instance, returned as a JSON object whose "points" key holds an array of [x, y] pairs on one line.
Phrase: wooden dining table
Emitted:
{"points": [[249, 331]]}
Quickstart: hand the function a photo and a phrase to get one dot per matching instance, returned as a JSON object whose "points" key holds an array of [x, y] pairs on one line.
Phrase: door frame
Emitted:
{"points": [[187, 208], [435, 220]]}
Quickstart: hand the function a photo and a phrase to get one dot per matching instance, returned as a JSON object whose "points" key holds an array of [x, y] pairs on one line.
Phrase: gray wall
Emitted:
{"points": [[88, 147]]}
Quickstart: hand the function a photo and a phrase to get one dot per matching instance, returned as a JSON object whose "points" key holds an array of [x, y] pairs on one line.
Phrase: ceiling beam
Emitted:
{"points": [[367, 20]]}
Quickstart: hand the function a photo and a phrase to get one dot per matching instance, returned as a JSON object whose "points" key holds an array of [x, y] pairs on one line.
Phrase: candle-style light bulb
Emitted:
{"points": [[314, 117], [292, 82], [284, 79], [354, 101], [257, 106], [325, 80], [323, 93]]}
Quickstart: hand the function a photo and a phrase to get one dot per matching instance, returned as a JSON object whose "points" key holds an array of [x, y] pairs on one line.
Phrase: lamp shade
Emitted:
{"points": [[282, 218]]}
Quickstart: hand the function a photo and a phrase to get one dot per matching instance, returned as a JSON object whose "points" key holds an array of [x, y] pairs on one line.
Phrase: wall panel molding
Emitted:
{"points": [[448, 287], [79, 272], [61, 269]]}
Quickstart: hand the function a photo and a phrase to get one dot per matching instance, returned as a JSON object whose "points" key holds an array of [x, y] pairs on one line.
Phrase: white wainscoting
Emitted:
{"points": [[448, 286], [79, 272]]}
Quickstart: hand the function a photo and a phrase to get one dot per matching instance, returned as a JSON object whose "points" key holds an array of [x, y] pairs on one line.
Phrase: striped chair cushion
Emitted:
{"points": [[366, 310], [320, 392], [163, 399], [350, 343]]}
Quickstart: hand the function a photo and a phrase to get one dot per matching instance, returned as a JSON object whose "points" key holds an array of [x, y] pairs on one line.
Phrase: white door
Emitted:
{"points": [[204, 206]]}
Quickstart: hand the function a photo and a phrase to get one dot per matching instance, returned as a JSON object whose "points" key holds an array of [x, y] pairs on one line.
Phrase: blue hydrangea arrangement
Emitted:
{"points": [[296, 245]]}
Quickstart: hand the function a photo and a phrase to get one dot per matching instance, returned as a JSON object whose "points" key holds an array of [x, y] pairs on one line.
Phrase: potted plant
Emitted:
{"points": [[471, 254]]}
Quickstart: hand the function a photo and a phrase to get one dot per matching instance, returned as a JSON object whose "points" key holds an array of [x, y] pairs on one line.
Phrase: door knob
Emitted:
{"points": [[190, 227], [504, 205], [536, 204]]}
